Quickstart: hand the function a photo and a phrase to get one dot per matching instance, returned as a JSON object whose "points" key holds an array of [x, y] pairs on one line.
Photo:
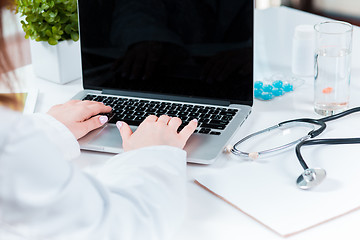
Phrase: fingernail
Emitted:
{"points": [[103, 119], [118, 124], [194, 120]]}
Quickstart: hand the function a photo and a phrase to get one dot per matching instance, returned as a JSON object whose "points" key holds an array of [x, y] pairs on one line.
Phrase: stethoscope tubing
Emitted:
{"points": [[331, 141], [340, 115]]}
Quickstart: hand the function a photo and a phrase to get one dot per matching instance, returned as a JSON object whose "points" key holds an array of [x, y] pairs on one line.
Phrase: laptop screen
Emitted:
{"points": [[189, 48]]}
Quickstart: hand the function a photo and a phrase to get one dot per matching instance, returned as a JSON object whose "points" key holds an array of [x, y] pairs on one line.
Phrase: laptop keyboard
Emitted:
{"points": [[211, 120]]}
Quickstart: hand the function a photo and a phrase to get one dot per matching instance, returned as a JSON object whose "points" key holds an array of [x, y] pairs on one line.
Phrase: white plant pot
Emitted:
{"points": [[59, 64]]}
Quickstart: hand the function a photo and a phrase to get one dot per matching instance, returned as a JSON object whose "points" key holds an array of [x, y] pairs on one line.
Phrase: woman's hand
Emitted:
{"points": [[80, 116], [156, 131]]}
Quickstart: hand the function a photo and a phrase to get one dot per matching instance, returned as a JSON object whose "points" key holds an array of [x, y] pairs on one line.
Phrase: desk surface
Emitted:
{"points": [[209, 217]]}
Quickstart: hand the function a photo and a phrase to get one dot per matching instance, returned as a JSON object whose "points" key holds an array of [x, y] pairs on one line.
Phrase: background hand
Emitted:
{"points": [[80, 116], [142, 59], [156, 131], [227, 64]]}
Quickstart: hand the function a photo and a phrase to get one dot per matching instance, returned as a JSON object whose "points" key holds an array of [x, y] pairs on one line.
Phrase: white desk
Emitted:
{"points": [[209, 217]]}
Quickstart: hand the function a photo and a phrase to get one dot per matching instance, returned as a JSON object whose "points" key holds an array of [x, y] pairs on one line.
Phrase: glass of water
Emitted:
{"points": [[332, 67]]}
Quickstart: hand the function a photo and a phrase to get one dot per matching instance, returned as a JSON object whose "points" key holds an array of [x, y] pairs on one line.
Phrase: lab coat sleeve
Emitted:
{"points": [[42, 196], [150, 184], [58, 134], [137, 195]]}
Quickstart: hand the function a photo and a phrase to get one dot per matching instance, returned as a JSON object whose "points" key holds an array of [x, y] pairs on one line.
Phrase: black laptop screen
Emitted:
{"points": [[190, 48]]}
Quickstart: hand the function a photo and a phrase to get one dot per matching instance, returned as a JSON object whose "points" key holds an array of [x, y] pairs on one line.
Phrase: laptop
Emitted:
{"points": [[190, 59]]}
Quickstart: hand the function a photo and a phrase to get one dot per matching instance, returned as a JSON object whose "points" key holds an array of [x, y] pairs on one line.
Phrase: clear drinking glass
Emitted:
{"points": [[332, 67]]}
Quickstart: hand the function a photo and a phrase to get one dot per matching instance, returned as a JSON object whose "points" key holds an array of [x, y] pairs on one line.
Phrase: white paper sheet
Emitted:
{"points": [[266, 190]]}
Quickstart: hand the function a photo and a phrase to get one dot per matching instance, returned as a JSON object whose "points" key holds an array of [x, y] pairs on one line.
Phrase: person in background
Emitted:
{"points": [[139, 194]]}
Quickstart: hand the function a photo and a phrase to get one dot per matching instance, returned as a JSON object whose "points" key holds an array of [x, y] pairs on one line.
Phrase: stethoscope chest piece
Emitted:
{"points": [[311, 177]]}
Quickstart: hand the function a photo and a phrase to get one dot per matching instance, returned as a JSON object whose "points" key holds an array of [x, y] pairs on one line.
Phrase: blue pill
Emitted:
{"points": [[258, 84], [288, 87], [257, 92], [267, 88], [266, 96], [278, 84], [278, 92]]}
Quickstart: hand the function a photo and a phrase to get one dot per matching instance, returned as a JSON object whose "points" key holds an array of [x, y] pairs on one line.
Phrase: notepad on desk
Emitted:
{"points": [[266, 190]]}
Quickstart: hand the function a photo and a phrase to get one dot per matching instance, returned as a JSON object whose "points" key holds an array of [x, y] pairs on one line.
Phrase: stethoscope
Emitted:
{"points": [[311, 177]]}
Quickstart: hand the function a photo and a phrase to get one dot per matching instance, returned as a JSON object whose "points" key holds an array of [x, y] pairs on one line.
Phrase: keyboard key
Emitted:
{"points": [[216, 117], [135, 122], [182, 109], [194, 115], [118, 111], [128, 117], [88, 97], [203, 120], [172, 113], [205, 115], [203, 111], [185, 120], [213, 126], [220, 122], [118, 107], [129, 112], [199, 107], [161, 112], [226, 118], [142, 118], [226, 113], [176, 104], [183, 114], [129, 108], [205, 130], [215, 133]]}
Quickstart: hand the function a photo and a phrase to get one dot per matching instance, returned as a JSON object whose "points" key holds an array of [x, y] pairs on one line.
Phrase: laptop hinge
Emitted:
{"points": [[166, 97]]}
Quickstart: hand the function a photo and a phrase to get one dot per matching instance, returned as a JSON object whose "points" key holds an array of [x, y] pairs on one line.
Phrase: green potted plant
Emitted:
{"points": [[52, 26]]}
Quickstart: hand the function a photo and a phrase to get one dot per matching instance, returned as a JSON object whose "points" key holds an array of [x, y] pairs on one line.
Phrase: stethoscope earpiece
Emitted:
{"points": [[311, 177]]}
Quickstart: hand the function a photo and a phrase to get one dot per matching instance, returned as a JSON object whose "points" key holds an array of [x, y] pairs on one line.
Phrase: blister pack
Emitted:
{"points": [[275, 86]]}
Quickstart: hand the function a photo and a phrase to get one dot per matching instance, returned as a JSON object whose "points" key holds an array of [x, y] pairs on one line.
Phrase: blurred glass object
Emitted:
{"points": [[343, 10], [263, 4]]}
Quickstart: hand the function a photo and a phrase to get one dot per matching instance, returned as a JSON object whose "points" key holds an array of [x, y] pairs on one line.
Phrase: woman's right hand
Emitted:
{"points": [[156, 131]]}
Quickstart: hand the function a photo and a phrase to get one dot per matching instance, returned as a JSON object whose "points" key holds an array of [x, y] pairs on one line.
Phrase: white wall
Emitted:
{"points": [[348, 7], [262, 4], [11, 23]]}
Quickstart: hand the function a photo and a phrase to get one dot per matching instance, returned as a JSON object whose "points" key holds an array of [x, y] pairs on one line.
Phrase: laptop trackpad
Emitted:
{"points": [[107, 138]]}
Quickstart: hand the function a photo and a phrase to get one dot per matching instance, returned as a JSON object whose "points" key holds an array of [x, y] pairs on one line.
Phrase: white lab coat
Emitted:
{"points": [[136, 195]]}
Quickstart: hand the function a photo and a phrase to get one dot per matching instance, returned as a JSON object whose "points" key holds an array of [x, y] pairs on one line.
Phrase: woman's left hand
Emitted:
{"points": [[80, 117]]}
